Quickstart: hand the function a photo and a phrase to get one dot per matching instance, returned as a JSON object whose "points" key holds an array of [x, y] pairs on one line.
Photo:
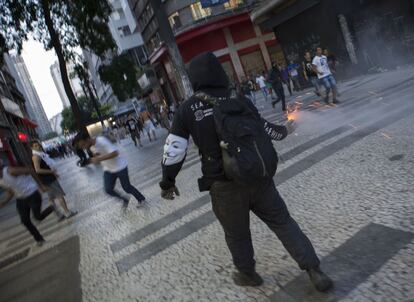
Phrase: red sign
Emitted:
{"points": [[22, 137]]}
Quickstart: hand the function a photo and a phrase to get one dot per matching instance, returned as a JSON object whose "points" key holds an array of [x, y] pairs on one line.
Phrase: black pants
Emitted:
{"points": [[110, 180], [33, 202], [280, 95], [232, 204], [289, 87], [135, 136]]}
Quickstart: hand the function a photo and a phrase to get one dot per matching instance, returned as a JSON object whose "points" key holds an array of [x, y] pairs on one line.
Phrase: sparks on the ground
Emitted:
{"points": [[386, 135]]}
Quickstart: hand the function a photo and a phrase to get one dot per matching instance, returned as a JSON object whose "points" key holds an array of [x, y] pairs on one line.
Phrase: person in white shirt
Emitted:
{"points": [[18, 183], [114, 166], [261, 81], [321, 67]]}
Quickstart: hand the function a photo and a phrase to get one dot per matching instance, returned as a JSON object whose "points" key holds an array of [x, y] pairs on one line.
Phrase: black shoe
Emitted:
{"points": [[40, 242], [320, 280], [273, 104], [141, 203], [71, 214], [335, 101], [243, 279], [125, 203]]}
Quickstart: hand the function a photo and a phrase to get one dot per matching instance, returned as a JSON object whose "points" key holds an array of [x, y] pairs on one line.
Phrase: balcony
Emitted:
{"points": [[242, 8], [128, 42]]}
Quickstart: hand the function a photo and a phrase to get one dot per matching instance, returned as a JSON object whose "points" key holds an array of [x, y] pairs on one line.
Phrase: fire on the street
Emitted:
{"points": [[293, 110]]}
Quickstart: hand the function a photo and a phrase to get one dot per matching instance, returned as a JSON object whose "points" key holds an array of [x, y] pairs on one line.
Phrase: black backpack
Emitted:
{"points": [[247, 151]]}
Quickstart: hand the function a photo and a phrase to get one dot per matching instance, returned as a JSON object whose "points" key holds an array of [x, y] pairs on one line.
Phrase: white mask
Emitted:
{"points": [[175, 149]]}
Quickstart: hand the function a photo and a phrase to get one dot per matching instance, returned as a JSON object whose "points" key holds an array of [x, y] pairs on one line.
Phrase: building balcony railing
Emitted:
{"points": [[247, 7]]}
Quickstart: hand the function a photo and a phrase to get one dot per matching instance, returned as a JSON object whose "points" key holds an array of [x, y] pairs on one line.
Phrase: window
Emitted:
{"points": [[124, 31], [175, 20], [198, 12], [118, 14], [232, 4]]}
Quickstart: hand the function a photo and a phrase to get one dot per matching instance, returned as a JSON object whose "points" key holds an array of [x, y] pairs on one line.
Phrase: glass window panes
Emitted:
{"points": [[198, 12], [232, 4]]}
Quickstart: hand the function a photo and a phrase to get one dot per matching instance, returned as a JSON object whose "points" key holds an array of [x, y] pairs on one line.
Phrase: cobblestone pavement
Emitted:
{"points": [[347, 178]]}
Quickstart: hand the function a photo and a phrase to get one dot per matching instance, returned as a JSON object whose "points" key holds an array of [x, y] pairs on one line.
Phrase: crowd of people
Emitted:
{"points": [[237, 156], [144, 123], [317, 70]]}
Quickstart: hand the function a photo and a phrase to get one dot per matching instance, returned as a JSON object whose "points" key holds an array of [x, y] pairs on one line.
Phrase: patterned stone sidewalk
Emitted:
{"points": [[346, 176]]}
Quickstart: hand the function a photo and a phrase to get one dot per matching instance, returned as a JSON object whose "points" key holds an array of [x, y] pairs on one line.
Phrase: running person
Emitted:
{"points": [[148, 124], [309, 73], [114, 166], [133, 128], [19, 183], [44, 167], [321, 67]]}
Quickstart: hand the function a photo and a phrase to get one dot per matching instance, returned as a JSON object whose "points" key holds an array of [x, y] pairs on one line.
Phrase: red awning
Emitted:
{"points": [[29, 123]]}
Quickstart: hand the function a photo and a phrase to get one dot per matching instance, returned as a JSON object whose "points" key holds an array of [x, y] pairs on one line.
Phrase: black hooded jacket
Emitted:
{"points": [[195, 118]]}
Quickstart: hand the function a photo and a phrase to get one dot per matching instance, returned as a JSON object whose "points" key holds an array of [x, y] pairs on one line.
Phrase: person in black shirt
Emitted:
{"points": [[309, 73], [275, 78], [231, 201], [134, 128]]}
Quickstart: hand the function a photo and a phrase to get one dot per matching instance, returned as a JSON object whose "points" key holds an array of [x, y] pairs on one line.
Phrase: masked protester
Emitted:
{"points": [[238, 165]]}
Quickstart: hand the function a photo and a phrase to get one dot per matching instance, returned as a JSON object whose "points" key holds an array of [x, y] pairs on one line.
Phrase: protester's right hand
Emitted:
{"points": [[290, 126], [170, 193]]}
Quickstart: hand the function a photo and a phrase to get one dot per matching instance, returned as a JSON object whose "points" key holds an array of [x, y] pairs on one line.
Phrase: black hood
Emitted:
{"points": [[206, 73]]}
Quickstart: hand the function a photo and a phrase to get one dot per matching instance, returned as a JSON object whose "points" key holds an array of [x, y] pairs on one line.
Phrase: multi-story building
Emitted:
{"points": [[369, 35], [73, 79], [55, 122], [224, 29], [123, 28], [30, 94], [16, 129]]}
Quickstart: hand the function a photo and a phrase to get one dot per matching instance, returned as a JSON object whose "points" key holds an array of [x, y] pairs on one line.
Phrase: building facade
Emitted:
{"points": [[31, 96], [364, 36], [225, 29], [55, 122], [123, 28], [16, 128], [73, 79]]}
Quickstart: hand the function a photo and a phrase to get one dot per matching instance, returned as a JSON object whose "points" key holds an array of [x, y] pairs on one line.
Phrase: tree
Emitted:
{"points": [[59, 25], [122, 75], [81, 70], [88, 112], [168, 37]]}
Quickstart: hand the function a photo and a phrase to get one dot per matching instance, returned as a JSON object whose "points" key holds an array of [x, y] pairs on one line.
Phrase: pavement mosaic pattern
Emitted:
{"points": [[346, 175]]}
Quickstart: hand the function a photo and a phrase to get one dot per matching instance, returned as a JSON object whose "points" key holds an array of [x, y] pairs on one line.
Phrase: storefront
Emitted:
{"points": [[370, 35], [242, 48]]}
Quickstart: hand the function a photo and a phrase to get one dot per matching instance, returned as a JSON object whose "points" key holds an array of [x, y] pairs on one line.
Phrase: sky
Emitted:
{"points": [[38, 62]]}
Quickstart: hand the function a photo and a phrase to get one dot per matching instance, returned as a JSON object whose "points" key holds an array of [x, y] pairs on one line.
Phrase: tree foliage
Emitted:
{"points": [[59, 25], [122, 75], [78, 23]]}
